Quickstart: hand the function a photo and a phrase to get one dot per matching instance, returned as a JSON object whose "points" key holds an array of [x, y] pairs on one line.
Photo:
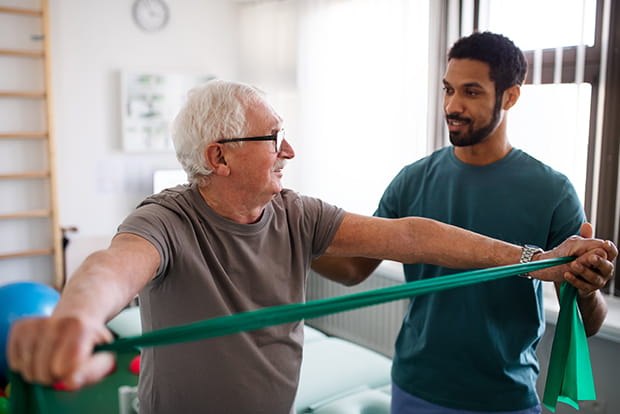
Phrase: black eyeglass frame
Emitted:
{"points": [[277, 139]]}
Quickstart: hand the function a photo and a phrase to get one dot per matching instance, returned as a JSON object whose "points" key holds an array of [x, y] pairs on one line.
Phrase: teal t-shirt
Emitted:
{"points": [[473, 348]]}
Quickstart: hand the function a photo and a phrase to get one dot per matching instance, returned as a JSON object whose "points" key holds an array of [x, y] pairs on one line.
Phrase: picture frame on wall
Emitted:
{"points": [[149, 103]]}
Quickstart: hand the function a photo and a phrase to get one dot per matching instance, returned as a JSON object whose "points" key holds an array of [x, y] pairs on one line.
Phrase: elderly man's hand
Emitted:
{"points": [[59, 351], [592, 268]]}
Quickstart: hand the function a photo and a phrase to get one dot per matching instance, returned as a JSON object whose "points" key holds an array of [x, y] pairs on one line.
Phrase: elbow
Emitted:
{"points": [[592, 329], [346, 271], [594, 322], [352, 279], [347, 277], [594, 325]]}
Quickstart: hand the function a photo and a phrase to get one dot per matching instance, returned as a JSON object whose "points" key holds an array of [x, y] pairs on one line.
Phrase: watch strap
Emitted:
{"points": [[527, 253]]}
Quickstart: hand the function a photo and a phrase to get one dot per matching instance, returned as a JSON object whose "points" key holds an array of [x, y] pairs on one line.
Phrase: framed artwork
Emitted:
{"points": [[150, 101]]}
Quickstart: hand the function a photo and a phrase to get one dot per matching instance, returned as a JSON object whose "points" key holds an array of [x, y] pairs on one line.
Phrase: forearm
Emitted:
{"points": [[422, 240], [593, 310], [60, 348], [419, 240], [449, 246], [109, 279], [95, 290]]}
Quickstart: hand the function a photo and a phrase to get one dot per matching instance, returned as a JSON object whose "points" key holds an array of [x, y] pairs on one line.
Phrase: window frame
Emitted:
{"points": [[602, 71]]}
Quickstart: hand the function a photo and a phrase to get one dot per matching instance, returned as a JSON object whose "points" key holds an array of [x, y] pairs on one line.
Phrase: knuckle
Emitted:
{"points": [[69, 324]]}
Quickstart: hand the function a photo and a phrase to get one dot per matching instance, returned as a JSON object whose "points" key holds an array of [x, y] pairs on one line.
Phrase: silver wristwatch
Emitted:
{"points": [[527, 254]]}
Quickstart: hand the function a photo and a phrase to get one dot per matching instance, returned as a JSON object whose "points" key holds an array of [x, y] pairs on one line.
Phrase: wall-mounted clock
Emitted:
{"points": [[150, 15]]}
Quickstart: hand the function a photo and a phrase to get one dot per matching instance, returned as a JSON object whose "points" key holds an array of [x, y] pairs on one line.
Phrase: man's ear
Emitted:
{"points": [[214, 156], [511, 96]]}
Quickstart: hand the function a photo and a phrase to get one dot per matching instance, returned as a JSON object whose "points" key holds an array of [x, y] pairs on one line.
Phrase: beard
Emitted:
{"points": [[473, 136]]}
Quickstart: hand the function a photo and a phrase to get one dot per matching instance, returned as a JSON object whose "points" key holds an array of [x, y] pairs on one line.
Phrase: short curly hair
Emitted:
{"points": [[506, 61]]}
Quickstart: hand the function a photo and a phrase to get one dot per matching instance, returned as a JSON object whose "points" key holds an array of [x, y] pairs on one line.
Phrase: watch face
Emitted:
{"points": [[150, 15]]}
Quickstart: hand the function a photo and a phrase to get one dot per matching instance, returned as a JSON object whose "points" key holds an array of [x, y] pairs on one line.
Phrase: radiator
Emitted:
{"points": [[374, 327]]}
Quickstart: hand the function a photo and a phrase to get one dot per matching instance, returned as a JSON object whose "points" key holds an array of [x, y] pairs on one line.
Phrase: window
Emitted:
{"points": [[565, 114], [552, 119], [565, 22], [354, 100]]}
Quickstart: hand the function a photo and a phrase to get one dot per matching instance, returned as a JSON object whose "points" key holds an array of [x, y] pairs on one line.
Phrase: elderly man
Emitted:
{"points": [[232, 240]]}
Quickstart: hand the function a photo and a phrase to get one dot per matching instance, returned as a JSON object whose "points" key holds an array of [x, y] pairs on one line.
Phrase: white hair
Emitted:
{"points": [[213, 111]]}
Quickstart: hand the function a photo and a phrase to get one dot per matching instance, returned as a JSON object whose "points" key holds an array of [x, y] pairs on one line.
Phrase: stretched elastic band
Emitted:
{"points": [[569, 377], [276, 315]]}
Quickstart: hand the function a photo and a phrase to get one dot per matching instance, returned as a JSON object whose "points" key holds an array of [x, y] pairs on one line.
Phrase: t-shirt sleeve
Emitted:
{"points": [[568, 216], [388, 204], [152, 223], [322, 220]]}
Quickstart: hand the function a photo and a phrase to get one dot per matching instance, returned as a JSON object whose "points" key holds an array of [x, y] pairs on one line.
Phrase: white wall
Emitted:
{"points": [[92, 41], [98, 183]]}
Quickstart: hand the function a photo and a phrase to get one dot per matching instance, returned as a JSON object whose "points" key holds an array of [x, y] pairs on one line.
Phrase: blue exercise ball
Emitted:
{"points": [[20, 300]]}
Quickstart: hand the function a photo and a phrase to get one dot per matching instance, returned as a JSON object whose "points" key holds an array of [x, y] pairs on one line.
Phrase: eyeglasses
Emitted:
{"points": [[277, 139]]}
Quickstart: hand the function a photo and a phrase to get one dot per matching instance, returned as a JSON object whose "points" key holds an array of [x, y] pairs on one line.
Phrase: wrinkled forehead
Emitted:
{"points": [[261, 117]]}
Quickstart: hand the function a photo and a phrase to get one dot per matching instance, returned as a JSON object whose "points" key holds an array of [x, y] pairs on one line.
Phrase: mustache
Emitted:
{"points": [[280, 164], [454, 117]]}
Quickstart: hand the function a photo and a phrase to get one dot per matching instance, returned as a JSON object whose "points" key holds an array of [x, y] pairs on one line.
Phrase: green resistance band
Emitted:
{"points": [[247, 321], [569, 377], [276, 315]]}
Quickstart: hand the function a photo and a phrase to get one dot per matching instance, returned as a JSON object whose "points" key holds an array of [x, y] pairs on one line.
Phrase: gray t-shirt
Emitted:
{"points": [[211, 266]]}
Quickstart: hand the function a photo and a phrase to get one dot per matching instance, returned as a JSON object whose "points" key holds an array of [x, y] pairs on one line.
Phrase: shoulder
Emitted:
{"points": [[547, 187], [436, 158], [182, 199], [170, 196], [292, 199], [414, 174], [288, 196], [168, 207], [303, 205], [527, 164]]}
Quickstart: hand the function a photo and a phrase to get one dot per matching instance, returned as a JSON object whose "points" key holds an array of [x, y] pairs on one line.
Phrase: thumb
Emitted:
{"points": [[586, 231], [92, 371]]}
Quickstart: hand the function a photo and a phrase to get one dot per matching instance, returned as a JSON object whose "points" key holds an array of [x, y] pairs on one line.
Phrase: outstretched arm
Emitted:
{"points": [[362, 242], [60, 348], [421, 240]]}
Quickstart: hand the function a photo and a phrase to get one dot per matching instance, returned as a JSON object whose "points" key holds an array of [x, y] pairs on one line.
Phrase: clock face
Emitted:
{"points": [[150, 15]]}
